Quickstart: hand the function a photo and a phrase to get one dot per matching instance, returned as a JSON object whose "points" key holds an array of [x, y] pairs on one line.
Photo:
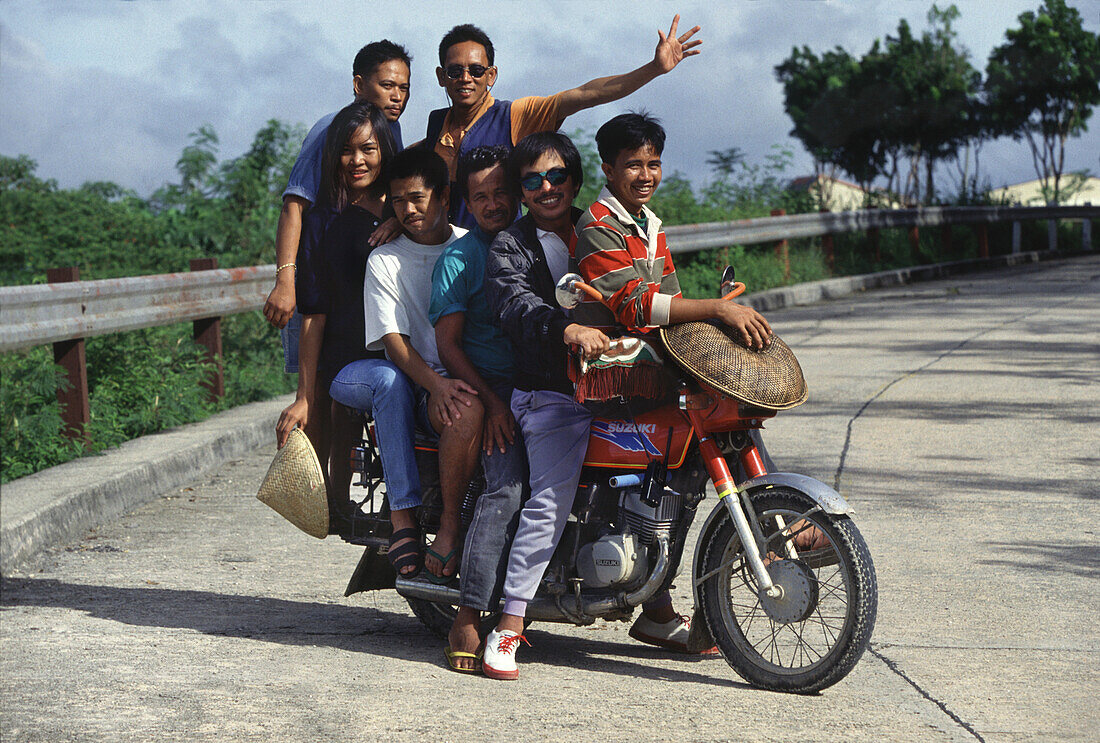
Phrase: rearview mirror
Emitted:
{"points": [[567, 292], [728, 281]]}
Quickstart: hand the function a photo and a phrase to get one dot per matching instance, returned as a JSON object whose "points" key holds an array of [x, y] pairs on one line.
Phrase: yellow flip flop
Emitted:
{"points": [[453, 654]]}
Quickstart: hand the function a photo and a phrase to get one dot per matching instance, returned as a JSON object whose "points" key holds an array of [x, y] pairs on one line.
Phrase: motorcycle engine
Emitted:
{"points": [[612, 560], [648, 521]]}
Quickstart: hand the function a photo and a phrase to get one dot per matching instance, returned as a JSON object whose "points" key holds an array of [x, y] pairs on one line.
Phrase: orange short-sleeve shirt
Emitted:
{"points": [[529, 115]]}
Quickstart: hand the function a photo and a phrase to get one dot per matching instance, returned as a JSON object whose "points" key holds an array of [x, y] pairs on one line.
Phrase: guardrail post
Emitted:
{"points": [[945, 236], [1086, 234], [208, 333], [876, 247], [914, 243], [782, 251], [1016, 235], [828, 247], [1052, 234], [983, 240], [73, 397]]}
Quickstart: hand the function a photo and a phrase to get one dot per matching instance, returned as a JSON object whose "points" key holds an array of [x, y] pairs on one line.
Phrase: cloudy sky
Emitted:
{"points": [[110, 90]]}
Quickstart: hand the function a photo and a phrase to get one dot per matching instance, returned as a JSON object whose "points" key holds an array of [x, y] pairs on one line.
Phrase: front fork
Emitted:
{"points": [[720, 474]]}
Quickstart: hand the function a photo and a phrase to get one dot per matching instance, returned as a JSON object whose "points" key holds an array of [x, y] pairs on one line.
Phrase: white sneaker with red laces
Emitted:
{"points": [[499, 661], [671, 635]]}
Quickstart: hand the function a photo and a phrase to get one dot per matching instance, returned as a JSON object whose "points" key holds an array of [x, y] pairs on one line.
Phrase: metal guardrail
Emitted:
{"points": [[45, 313], [67, 312], [694, 237]]}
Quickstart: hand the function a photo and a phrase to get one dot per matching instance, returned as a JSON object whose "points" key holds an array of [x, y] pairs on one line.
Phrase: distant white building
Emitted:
{"points": [[838, 195], [1030, 193]]}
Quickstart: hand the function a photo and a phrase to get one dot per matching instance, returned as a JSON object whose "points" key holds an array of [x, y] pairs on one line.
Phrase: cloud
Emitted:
{"points": [[110, 91]]}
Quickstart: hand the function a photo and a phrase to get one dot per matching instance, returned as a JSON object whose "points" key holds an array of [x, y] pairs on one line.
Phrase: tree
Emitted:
{"points": [[1042, 84], [825, 99], [908, 98], [936, 89], [17, 174]]}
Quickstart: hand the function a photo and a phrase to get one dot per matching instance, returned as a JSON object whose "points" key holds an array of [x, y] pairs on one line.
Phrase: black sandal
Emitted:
{"points": [[407, 554]]}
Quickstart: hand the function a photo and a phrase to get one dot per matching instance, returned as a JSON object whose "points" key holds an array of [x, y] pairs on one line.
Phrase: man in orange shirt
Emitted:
{"points": [[475, 118]]}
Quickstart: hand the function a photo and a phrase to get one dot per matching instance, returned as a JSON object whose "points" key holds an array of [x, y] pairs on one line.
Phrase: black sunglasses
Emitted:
{"points": [[554, 176], [455, 71]]}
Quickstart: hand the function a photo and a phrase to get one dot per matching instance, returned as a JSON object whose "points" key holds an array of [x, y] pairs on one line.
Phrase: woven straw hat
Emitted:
{"points": [[295, 486], [713, 353]]}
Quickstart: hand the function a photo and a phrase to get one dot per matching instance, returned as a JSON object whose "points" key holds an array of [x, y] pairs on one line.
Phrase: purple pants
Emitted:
{"points": [[555, 432]]}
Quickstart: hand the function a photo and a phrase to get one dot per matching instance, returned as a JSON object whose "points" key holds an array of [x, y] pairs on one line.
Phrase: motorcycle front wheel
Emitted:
{"points": [[811, 637]]}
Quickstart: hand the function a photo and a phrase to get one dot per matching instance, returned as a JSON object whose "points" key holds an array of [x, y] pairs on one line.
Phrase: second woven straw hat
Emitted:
{"points": [[295, 486], [712, 353]]}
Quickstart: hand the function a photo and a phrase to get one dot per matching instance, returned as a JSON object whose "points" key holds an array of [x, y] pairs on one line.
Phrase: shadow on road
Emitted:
{"points": [[306, 623], [592, 655], [1080, 559]]}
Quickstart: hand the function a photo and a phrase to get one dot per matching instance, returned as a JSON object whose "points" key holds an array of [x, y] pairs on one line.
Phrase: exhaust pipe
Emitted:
{"points": [[546, 608]]}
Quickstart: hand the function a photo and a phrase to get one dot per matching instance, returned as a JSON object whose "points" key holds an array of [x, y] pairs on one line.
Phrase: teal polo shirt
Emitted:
{"points": [[457, 286]]}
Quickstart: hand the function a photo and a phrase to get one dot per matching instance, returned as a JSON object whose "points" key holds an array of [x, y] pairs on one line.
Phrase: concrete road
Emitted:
{"points": [[958, 417]]}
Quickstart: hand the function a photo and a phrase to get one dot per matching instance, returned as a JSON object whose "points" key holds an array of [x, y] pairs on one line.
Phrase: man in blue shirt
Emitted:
{"points": [[380, 75], [476, 351]]}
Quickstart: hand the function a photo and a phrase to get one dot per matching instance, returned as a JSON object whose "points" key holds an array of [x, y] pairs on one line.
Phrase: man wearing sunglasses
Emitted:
{"points": [[475, 118], [525, 261]]}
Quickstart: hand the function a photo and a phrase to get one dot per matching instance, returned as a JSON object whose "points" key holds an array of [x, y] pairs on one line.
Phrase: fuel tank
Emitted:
{"points": [[632, 444]]}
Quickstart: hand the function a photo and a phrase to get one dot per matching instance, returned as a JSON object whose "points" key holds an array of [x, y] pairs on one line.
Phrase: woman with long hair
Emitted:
{"points": [[329, 286]]}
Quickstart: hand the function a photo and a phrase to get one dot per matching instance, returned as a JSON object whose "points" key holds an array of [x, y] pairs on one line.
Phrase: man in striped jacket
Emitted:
{"points": [[621, 248]]}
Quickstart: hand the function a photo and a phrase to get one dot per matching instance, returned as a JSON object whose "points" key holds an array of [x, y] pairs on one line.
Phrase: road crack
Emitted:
{"points": [[893, 666], [965, 341]]}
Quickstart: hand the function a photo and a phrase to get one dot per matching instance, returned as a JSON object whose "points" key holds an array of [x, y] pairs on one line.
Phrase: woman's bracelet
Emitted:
{"points": [[286, 265]]}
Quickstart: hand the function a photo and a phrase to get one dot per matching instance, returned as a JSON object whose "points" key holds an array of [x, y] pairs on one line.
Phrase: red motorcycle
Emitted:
{"points": [[782, 579]]}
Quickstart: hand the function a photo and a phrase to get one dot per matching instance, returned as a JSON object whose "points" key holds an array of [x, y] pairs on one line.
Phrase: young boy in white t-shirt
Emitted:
{"points": [[397, 293]]}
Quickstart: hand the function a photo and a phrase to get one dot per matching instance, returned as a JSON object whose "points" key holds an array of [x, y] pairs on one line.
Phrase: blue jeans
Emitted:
{"points": [[496, 516], [290, 334], [378, 387]]}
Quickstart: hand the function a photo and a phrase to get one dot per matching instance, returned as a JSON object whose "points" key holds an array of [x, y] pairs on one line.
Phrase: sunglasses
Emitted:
{"points": [[456, 71], [554, 176]]}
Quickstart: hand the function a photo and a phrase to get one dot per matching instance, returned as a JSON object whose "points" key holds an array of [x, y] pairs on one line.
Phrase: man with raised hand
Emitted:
{"points": [[474, 118]]}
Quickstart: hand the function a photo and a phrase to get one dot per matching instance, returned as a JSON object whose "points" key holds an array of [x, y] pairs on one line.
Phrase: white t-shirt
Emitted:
{"points": [[556, 251], [397, 291]]}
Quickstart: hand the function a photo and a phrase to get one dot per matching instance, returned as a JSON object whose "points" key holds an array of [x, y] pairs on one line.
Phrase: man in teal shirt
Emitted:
{"points": [[475, 350]]}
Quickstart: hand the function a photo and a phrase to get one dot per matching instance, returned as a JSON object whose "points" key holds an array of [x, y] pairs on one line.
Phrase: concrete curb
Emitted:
{"points": [[58, 504]]}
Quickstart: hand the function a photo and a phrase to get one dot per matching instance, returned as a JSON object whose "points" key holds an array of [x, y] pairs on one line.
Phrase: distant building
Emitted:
{"points": [[838, 195], [1030, 193]]}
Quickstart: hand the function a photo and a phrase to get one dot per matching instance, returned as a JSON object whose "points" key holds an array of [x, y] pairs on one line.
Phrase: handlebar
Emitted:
{"points": [[738, 290], [591, 291]]}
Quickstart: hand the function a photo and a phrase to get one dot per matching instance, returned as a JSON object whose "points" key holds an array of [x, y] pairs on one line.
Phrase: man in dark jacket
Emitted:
{"points": [[524, 263]]}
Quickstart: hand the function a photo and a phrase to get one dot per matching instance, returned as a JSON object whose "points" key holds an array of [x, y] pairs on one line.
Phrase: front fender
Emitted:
{"points": [[828, 499]]}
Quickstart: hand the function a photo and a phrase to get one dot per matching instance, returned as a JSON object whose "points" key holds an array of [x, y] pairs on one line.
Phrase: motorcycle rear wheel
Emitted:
{"points": [[439, 617], [815, 636]]}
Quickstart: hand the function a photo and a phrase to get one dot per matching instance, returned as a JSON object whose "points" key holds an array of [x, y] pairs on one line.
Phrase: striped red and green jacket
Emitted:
{"points": [[630, 267]]}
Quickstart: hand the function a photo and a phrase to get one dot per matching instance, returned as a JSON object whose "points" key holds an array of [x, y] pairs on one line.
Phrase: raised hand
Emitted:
{"points": [[672, 49]]}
